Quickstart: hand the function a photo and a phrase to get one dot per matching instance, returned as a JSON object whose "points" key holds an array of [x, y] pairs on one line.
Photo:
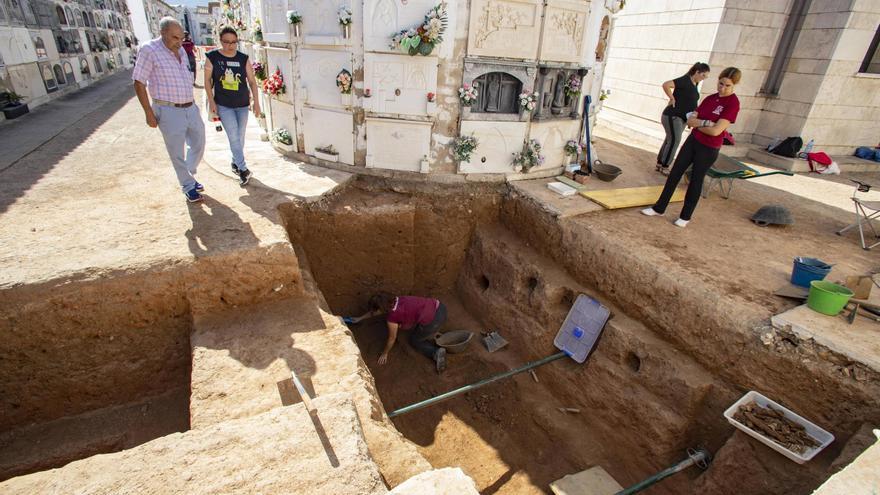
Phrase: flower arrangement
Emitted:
{"points": [[463, 147], [294, 17], [603, 95], [432, 97], [344, 15], [343, 82], [274, 84], [573, 86], [530, 156], [572, 148], [422, 39], [259, 71], [468, 94], [257, 30], [528, 100], [282, 136]]}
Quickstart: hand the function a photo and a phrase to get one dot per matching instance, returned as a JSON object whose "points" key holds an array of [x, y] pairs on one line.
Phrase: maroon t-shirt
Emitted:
{"points": [[189, 47], [409, 311], [715, 108]]}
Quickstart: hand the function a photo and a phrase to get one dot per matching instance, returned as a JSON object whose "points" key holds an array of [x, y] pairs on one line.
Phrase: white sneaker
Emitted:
{"points": [[650, 211], [681, 223]]}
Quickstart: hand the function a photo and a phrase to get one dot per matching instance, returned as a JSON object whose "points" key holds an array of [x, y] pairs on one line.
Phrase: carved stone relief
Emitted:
{"points": [[505, 28], [497, 143], [399, 84], [385, 18], [565, 23], [318, 71], [322, 128], [320, 24], [397, 144], [553, 102]]}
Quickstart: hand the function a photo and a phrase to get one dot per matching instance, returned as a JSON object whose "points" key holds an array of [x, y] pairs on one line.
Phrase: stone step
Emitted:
{"points": [[593, 481], [241, 363], [286, 450], [846, 163]]}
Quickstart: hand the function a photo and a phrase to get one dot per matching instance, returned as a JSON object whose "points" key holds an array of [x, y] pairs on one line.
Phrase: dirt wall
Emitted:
{"points": [[410, 239], [72, 346]]}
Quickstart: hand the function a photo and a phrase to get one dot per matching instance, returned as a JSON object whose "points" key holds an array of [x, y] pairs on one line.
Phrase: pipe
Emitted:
{"points": [[700, 457], [474, 386]]}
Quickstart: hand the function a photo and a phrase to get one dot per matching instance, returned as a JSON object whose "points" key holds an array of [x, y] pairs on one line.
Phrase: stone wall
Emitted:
{"points": [[653, 44], [844, 113]]}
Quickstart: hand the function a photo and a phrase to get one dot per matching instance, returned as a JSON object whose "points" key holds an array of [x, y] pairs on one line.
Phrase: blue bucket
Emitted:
{"points": [[806, 270]]}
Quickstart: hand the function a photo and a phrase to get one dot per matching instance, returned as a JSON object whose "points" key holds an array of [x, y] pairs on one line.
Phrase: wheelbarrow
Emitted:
{"points": [[725, 171]]}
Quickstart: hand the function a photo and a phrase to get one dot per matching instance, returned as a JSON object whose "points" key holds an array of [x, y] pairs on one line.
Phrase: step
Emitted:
{"points": [[286, 450], [846, 163], [593, 481]]}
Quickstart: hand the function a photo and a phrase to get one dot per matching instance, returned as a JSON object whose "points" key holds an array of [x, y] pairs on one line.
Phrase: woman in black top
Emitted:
{"points": [[226, 70], [683, 95]]}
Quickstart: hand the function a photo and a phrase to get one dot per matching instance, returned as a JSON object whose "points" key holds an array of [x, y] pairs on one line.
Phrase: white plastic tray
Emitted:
{"points": [[823, 437]]}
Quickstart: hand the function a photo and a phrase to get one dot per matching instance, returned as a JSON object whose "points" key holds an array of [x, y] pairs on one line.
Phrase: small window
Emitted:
{"points": [[84, 67], [498, 92], [871, 64], [40, 48], [85, 19], [98, 65], [59, 11], [59, 75]]}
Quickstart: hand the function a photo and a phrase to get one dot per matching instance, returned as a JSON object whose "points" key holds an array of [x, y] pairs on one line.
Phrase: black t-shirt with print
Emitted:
{"points": [[686, 97], [229, 76]]}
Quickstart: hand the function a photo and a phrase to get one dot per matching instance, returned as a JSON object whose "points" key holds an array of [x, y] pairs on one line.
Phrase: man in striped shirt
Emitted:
{"points": [[162, 70]]}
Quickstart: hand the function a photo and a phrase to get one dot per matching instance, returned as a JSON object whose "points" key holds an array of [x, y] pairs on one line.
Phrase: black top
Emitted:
{"points": [[229, 77], [686, 97]]}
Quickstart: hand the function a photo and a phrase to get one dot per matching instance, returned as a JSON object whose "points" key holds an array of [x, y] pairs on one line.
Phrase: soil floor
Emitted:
{"points": [[508, 436]]}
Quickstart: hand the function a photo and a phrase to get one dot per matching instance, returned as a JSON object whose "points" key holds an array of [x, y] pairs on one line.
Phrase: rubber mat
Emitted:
{"points": [[613, 199]]}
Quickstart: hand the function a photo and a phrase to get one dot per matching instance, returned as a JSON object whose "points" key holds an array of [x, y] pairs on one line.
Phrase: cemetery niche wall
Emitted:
{"points": [[377, 82]]}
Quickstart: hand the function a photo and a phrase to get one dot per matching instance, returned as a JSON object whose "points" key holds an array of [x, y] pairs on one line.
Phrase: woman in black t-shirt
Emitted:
{"points": [[683, 94], [228, 73]]}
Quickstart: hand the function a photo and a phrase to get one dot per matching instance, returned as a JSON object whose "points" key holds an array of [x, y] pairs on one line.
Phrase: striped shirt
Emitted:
{"points": [[166, 77]]}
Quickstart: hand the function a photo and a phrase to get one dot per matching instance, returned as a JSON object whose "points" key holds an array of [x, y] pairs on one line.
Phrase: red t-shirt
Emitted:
{"points": [[715, 108], [408, 311], [189, 47]]}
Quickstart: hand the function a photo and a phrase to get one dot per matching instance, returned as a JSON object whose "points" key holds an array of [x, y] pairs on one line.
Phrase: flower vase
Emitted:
{"points": [[284, 148], [518, 168], [431, 108], [424, 166], [346, 31], [465, 111], [258, 37], [296, 30], [345, 99]]}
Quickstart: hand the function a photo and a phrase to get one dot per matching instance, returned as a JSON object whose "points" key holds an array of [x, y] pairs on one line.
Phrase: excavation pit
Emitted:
{"points": [[634, 408]]}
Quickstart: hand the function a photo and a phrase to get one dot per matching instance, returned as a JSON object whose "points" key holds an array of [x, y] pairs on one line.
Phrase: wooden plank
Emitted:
{"points": [[627, 198]]}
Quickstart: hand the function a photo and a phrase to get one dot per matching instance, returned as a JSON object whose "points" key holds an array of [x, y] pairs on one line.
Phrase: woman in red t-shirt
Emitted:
{"points": [[714, 115], [421, 316]]}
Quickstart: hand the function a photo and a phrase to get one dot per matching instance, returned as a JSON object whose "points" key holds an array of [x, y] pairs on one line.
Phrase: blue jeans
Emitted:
{"points": [[184, 133], [235, 122]]}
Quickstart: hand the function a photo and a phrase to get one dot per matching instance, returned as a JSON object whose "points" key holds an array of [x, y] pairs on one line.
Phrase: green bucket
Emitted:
{"points": [[827, 298]]}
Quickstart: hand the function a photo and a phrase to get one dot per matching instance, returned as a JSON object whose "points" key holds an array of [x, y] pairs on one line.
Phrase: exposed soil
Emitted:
{"points": [[509, 436]]}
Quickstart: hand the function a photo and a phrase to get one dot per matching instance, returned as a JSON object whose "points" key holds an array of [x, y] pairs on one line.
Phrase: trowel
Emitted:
{"points": [[493, 341]]}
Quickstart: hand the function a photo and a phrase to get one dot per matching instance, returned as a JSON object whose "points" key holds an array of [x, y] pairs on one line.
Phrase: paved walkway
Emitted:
{"points": [[87, 187]]}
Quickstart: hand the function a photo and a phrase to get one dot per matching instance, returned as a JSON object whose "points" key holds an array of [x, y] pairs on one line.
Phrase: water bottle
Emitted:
{"points": [[809, 147], [216, 120]]}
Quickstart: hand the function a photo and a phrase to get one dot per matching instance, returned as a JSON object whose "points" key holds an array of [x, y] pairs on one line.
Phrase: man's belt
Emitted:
{"points": [[170, 104]]}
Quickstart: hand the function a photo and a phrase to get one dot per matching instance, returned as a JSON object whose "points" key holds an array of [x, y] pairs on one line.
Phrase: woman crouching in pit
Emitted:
{"points": [[713, 117], [422, 317]]}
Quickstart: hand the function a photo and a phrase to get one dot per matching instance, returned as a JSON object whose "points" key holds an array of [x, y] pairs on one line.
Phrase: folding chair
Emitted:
{"points": [[866, 211]]}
